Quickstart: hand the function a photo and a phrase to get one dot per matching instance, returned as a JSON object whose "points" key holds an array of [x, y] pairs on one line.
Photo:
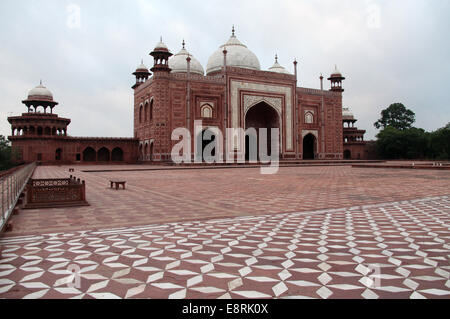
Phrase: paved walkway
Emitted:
{"points": [[172, 196], [309, 232], [397, 250]]}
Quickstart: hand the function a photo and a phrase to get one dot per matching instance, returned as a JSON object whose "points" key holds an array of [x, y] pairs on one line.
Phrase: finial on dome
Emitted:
{"points": [[232, 31], [142, 61], [183, 43], [40, 82], [276, 58]]}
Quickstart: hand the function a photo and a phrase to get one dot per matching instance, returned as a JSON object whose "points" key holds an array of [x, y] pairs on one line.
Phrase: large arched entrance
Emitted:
{"points": [[259, 116], [309, 147]]}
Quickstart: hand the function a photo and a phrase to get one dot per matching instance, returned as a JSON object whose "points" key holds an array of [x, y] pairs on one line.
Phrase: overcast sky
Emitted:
{"points": [[389, 51]]}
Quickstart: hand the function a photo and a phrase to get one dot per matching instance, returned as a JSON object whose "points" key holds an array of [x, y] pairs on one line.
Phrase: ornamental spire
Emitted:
{"points": [[232, 31], [183, 43]]}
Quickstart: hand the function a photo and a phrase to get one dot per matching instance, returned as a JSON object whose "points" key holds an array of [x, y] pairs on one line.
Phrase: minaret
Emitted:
{"points": [[161, 55], [336, 79]]}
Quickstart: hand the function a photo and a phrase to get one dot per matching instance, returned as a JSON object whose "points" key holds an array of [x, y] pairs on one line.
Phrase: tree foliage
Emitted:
{"points": [[396, 116], [6, 161], [414, 143]]}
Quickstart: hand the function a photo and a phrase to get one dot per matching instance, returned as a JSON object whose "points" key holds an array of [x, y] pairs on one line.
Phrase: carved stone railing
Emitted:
{"points": [[51, 193]]}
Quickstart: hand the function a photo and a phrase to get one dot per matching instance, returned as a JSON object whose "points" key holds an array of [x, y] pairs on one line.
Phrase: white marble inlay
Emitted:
{"points": [[235, 86]]}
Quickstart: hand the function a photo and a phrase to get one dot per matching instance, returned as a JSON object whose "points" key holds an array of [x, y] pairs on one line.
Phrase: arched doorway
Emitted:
{"points": [[207, 141], [117, 155], [309, 147], [347, 154], [145, 152], [58, 154], [103, 155], [151, 152], [89, 154], [141, 154], [259, 116]]}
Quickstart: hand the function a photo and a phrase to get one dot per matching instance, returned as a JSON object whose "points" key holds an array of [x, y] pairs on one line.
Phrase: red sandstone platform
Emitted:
{"points": [[307, 232]]}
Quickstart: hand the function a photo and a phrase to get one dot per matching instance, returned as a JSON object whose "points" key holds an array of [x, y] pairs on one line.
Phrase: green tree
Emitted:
{"points": [[6, 154], [396, 116], [440, 143], [412, 143]]}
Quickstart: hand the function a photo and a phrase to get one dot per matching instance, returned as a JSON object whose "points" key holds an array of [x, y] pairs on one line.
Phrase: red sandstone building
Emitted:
{"points": [[234, 93]]}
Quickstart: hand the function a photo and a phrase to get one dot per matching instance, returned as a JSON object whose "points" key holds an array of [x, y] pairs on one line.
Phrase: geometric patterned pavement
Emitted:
{"points": [[392, 250], [155, 197]]}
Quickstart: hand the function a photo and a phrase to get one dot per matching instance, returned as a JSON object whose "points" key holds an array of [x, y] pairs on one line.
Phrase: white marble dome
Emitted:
{"points": [[161, 46], [178, 63], [336, 72], [278, 68], [142, 67], [238, 55], [347, 114], [40, 92]]}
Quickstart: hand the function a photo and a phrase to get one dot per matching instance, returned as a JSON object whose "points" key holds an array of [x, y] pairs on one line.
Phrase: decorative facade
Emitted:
{"points": [[176, 93], [235, 93]]}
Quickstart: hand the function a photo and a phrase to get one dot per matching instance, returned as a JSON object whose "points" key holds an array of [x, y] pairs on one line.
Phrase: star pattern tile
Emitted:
{"points": [[392, 250]]}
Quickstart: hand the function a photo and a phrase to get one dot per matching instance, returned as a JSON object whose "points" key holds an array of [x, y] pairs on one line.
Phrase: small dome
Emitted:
{"points": [[40, 92], [142, 67], [238, 55], [160, 46], [336, 73], [278, 68], [347, 114], [178, 63]]}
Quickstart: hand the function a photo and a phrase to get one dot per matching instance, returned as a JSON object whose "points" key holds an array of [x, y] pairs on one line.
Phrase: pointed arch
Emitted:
{"points": [[103, 155]]}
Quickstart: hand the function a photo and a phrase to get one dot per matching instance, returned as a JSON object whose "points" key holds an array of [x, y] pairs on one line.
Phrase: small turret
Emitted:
{"points": [[142, 74], [336, 79], [161, 55]]}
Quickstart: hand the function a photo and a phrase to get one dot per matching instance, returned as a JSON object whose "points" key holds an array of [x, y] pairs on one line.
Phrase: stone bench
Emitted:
{"points": [[116, 183]]}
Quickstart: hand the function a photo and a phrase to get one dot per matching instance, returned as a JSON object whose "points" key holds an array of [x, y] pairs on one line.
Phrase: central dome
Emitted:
{"points": [[238, 55]]}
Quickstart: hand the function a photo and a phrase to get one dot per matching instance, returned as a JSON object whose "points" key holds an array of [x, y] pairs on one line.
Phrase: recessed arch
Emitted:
{"points": [[140, 112], [117, 155], [309, 147], [259, 116], [206, 111], [103, 155], [89, 155], [347, 154], [309, 118], [146, 107], [151, 110], [58, 154]]}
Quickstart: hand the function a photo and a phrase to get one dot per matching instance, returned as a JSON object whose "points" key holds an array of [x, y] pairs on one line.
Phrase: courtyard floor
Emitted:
{"points": [[313, 232]]}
